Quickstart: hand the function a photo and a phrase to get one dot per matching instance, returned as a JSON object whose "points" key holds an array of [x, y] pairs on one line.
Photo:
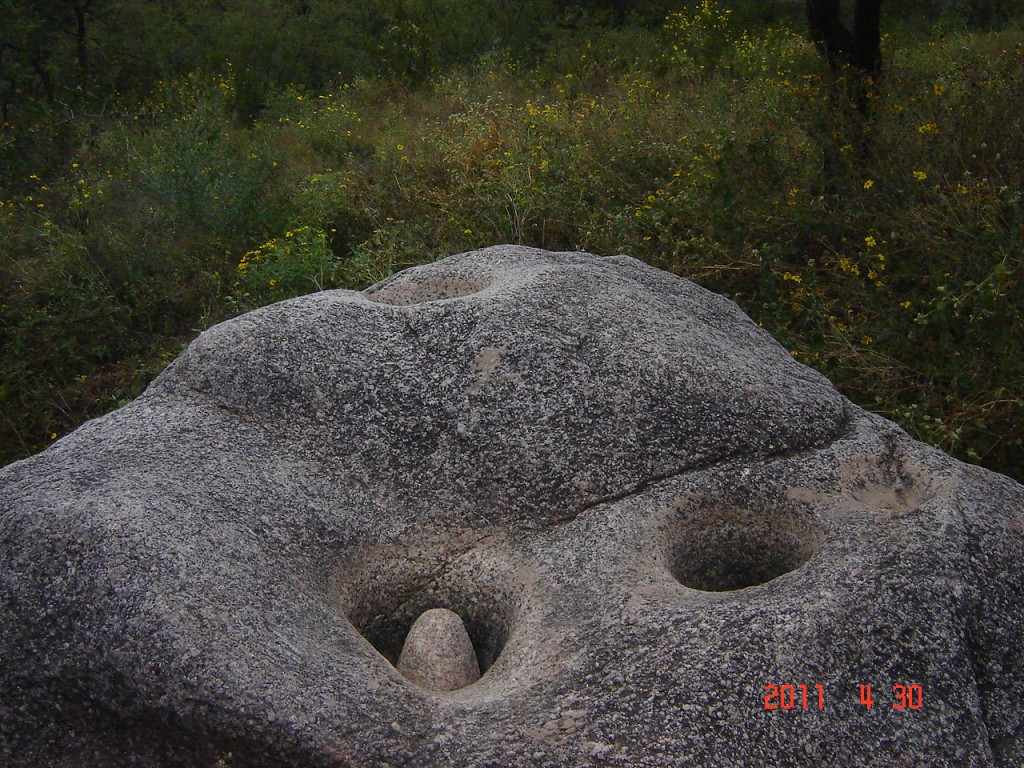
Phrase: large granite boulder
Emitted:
{"points": [[668, 543]]}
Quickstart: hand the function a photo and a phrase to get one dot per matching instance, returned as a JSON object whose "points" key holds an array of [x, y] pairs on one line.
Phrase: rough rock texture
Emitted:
{"points": [[642, 508], [438, 654]]}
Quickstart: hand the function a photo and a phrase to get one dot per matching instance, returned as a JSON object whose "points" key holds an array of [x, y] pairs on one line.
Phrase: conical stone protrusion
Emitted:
{"points": [[438, 654]]}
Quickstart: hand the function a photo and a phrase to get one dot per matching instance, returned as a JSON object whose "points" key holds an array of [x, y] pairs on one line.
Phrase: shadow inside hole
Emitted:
{"points": [[383, 604], [722, 550], [387, 630]]}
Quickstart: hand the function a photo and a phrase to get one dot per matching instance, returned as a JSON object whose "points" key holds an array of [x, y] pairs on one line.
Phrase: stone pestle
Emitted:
{"points": [[438, 654]]}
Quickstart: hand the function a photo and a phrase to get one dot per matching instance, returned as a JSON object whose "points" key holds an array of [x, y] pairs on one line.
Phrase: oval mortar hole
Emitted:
{"points": [[721, 550]]}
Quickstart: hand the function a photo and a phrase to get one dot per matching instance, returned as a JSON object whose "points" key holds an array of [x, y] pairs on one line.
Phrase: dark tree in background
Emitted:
{"points": [[859, 48], [855, 59]]}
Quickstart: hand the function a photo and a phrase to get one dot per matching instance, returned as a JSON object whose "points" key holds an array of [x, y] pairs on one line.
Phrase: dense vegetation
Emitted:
{"points": [[167, 164]]}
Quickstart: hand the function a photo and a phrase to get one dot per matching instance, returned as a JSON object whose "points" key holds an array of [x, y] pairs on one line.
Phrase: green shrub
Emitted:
{"points": [[884, 249], [298, 262]]}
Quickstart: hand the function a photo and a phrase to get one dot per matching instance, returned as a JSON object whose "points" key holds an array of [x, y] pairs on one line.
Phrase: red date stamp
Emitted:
{"points": [[905, 696], [792, 696]]}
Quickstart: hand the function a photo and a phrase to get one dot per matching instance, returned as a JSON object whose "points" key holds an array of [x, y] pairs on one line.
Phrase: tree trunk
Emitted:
{"points": [[855, 60], [39, 67], [860, 48], [80, 8], [867, 45], [828, 33]]}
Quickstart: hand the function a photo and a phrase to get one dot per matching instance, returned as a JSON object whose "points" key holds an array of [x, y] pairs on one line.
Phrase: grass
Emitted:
{"points": [[697, 147]]}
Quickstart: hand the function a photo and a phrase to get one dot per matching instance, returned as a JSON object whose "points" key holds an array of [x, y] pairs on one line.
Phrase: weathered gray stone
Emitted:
{"points": [[642, 508], [438, 654]]}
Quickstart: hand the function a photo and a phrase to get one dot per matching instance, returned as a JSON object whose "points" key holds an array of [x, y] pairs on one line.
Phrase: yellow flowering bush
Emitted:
{"points": [[298, 261], [699, 38]]}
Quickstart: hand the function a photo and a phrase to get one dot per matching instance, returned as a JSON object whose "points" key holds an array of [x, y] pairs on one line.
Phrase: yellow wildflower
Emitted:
{"points": [[920, 175], [847, 266], [869, 184]]}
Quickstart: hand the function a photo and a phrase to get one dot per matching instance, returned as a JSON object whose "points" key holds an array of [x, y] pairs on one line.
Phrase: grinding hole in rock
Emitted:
{"points": [[722, 549], [433, 647], [429, 615]]}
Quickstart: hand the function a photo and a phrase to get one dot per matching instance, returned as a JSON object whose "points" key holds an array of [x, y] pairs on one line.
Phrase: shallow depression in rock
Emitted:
{"points": [[406, 289]]}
